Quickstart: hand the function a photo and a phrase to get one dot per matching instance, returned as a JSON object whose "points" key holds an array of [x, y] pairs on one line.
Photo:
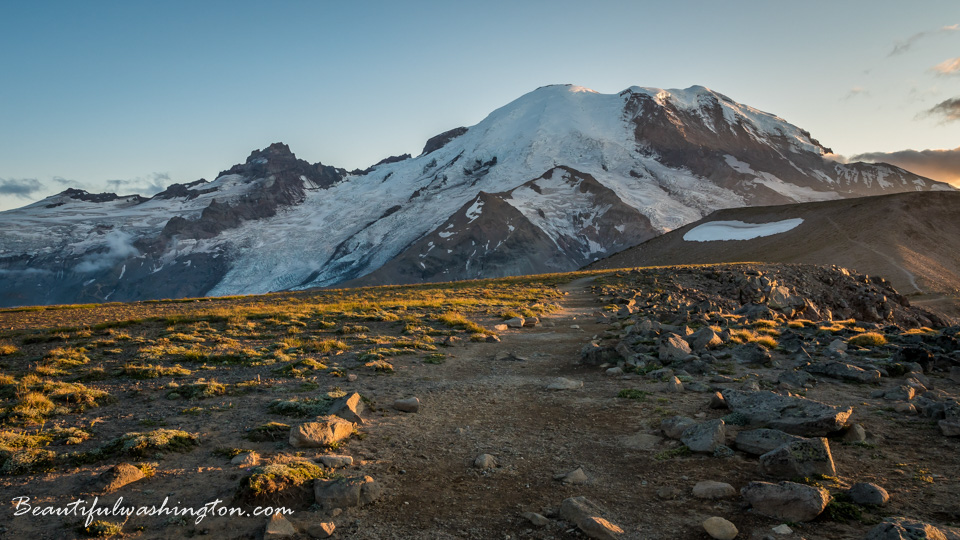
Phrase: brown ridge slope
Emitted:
{"points": [[911, 239]]}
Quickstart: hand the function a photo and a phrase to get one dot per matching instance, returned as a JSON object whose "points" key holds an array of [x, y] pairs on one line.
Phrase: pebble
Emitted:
{"points": [[410, 405], [485, 462], [719, 528]]}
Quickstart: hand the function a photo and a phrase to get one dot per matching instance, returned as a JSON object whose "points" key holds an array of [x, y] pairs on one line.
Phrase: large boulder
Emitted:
{"points": [[796, 415], [788, 501], [704, 437], [799, 459], [847, 372], [349, 408], [672, 348]]}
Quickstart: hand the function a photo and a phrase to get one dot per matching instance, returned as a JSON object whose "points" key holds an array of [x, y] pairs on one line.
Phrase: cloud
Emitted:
{"points": [[144, 185], [22, 188], [942, 165], [947, 67], [901, 47], [949, 110], [115, 247], [856, 91]]}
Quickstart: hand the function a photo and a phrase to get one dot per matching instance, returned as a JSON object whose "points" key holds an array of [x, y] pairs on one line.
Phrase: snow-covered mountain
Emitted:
{"points": [[559, 177]]}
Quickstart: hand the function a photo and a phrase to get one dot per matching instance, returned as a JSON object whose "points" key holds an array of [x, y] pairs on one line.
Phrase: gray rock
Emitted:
{"points": [[843, 371], [796, 415], [798, 459], [865, 493], [674, 426], [575, 477], [599, 528], [854, 434], [485, 462], [719, 528], [901, 393], [705, 338], [346, 492], [614, 372], [561, 383], [536, 519], [334, 461], [949, 427], [516, 322], [796, 378], [668, 493], [837, 345], [751, 353], [761, 441], [704, 437], [899, 528], [709, 489], [717, 401], [323, 529], [410, 405], [504, 356], [673, 347], [577, 509], [905, 408], [674, 385], [349, 408], [324, 432], [246, 459], [787, 500]]}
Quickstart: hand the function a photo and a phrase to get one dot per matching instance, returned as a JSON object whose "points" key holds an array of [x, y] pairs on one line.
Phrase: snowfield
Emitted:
{"points": [[738, 230]]}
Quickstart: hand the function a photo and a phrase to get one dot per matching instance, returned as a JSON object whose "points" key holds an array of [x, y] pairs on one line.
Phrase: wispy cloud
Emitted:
{"points": [[947, 67], [901, 47], [143, 185], [856, 91], [942, 165], [948, 110], [21, 188]]}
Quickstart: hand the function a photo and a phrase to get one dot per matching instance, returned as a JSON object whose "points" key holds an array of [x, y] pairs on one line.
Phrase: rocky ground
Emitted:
{"points": [[732, 401]]}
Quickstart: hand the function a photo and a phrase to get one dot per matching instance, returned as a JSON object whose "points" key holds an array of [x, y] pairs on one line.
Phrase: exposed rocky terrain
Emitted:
{"points": [[726, 401], [579, 175]]}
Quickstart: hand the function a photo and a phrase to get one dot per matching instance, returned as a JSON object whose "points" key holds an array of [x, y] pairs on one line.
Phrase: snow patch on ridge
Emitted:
{"points": [[738, 230]]}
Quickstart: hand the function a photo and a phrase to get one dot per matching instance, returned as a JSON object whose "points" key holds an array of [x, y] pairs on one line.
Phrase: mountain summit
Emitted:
{"points": [[556, 179]]}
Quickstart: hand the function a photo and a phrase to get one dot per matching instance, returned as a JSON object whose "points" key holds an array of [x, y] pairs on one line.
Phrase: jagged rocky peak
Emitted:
{"points": [[439, 141], [278, 161]]}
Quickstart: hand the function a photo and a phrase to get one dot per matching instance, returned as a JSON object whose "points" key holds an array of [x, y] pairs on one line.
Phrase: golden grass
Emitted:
{"points": [[868, 339]]}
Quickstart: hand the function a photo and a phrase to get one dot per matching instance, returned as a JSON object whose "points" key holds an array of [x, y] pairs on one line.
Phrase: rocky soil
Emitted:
{"points": [[728, 401]]}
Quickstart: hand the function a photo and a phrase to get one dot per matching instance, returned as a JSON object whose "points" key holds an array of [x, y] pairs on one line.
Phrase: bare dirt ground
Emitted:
{"points": [[473, 404]]}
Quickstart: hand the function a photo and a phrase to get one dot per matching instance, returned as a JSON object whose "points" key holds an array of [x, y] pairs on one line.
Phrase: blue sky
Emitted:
{"points": [[131, 96]]}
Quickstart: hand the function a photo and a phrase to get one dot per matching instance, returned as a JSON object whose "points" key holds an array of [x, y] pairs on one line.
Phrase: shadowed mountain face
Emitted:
{"points": [[552, 181], [911, 239]]}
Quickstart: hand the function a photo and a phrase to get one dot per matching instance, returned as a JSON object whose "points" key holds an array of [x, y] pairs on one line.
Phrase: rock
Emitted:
{"points": [[349, 408], [531, 322], [705, 338], [599, 528], [751, 353], [673, 347], [761, 441], [905, 408], [345, 492], [796, 378], [949, 427], [719, 528], [723, 452], [901, 393], [246, 459], [709, 489], [450, 341], [846, 372], [410, 405], [792, 414], [500, 328], [837, 345], [717, 401], [854, 434], [516, 322], [485, 462], [704, 437], [577, 509], [324, 529], [575, 477], [782, 529], [787, 500], [799, 459], [324, 432], [668, 493], [674, 385], [561, 383], [536, 519], [865, 493], [493, 338], [899, 528], [674, 426], [335, 462], [614, 372], [279, 527], [511, 356], [116, 477]]}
